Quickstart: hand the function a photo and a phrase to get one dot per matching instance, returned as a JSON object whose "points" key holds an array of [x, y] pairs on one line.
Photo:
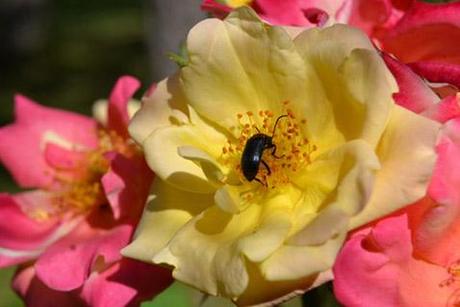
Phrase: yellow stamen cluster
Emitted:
{"points": [[454, 272], [454, 279], [293, 149]]}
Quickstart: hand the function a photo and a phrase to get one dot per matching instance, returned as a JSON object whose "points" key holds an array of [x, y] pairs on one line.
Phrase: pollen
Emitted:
{"points": [[293, 149], [79, 189], [454, 275]]}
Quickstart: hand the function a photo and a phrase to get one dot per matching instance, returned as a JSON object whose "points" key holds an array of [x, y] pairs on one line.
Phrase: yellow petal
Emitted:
{"points": [[370, 87], [349, 170], [165, 159], [203, 251], [241, 65], [327, 48], [357, 83], [358, 169], [212, 170], [262, 292], [228, 199], [407, 157], [167, 210], [273, 226], [295, 262], [165, 107], [328, 223]]}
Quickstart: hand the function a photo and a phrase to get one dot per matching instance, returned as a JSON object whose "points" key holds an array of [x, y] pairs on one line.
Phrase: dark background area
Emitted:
{"points": [[68, 53]]}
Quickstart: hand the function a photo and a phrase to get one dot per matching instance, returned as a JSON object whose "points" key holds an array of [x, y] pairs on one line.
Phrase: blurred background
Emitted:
{"points": [[69, 53]]}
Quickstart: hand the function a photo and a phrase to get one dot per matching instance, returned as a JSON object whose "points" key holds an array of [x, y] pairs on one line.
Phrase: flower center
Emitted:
{"points": [[80, 188], [288, 152], [453, 280], [454, 274]]}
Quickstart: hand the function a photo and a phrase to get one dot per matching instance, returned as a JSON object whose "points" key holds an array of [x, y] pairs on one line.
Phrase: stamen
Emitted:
{"points": [[293, 149], [454, 271], [79, 189]]}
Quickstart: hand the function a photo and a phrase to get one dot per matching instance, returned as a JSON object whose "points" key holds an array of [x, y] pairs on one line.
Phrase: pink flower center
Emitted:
{"points": [[79, 188]]}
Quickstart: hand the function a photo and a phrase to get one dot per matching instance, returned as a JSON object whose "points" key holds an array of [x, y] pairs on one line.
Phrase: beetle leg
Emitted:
{"points": [[274, 152], [266, 166], [259, 181]]}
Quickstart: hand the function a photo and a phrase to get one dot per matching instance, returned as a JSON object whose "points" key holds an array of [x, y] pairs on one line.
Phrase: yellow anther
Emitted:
{"points": [[291, 155]]}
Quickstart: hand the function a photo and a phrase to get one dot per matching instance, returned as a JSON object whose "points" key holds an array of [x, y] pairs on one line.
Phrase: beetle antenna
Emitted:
{"points": [[276, 123]]}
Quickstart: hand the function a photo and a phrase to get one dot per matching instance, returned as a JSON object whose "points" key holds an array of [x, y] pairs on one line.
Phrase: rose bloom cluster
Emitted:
{"points": [[299, 142]]}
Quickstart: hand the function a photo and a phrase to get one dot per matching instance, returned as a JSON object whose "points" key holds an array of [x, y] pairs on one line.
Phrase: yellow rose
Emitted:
{"points": [[345, 155]]}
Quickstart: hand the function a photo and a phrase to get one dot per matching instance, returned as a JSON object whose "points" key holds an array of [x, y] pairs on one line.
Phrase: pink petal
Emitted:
{"points": [[37, 294], [446, 176], [122, 92], [437, 230], [286, 12], [23, 279], [379, 270], [63, 159], [354, 270], [413, 93], [21, 237], [427, 32], [438, 71], [150, 90], [215, 8], [368, 14], [445, 110], [68, 263], [126, 185], [126, 283], [23, 142]]}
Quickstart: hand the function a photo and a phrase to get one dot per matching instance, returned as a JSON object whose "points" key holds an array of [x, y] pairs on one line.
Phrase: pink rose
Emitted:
{"points": [[412, 257], [89, 183]]}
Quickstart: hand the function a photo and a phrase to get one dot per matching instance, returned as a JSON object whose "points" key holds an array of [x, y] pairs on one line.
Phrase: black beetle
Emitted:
{"points": [[253, 151]]}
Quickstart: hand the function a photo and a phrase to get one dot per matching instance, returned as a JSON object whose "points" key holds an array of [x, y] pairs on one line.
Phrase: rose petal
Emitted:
{"points": [[165, 106], [126, 185], [415, 158], [437, 71], [382, 263], [21, 237], [67, 264], [362, 84], [165, 213], [175, 169], [126, 283], [414, 94], [37, 294], [426, 32], [232, 64], [447, 109], [23, 142], [118, 116], [437, 231]]}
